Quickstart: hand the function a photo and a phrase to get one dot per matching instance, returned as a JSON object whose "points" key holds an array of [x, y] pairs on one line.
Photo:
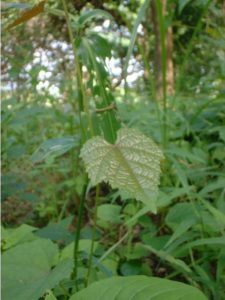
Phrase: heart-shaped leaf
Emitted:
{"points": [[132, 164]]}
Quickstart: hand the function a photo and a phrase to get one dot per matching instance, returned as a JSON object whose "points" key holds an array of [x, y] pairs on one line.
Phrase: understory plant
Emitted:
{"points": [[115, 171]]}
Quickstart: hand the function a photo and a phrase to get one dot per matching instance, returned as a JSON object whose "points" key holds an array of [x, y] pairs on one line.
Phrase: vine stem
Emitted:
{"points": [[83, 104], [77, 236], [93, 235], [162, 32]]}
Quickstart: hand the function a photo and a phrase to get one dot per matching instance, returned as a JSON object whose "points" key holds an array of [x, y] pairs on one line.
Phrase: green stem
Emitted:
{"points": [[162, 31], [93, 235], [103, 92], [78, 228], [111, 249], [129, 241], [83, 103]]}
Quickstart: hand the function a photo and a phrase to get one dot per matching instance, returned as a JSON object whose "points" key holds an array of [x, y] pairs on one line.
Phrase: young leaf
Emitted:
{"points": [[138, 288], [132, 164], [94, 13]]}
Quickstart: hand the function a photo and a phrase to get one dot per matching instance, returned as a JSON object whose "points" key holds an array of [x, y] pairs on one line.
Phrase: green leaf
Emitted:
{"points": [[218, 215], [138, 288], [27, 270], [109, 213], [84, 246], [109, 122], [180, 230], [57, 232], [53, 148], [50, 296], [215, 185], [176, 263], [12, 237], [181, 213], [182, 4], [140, 17], [132, 164], [94, 13], [130, 268], [100, 44], [216, 242]]}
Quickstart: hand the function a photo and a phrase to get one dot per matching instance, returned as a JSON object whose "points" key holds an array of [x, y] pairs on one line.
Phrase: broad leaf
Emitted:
{"points": [[109, 213], [138, 288], [27, 270], [53, 148], [12, 237], [132, 164]]}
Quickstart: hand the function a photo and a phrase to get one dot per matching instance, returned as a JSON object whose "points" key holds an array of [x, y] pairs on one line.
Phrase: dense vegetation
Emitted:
{"points": [[113, 161]]}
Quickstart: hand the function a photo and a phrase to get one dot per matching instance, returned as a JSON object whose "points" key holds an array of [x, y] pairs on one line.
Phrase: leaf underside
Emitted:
{"points": [[132, 164]]}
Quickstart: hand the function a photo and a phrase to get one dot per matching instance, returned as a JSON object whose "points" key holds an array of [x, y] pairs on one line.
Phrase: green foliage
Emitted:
{"points": [[12, 237], [53, 148], [94, 13], [50, 296], [28, 270], [109, 214], [60, 232], [138, 288], [132, 164]]}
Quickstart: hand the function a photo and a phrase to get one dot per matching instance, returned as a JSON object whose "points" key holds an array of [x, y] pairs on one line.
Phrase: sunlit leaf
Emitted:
{"points": [[132, 164]]}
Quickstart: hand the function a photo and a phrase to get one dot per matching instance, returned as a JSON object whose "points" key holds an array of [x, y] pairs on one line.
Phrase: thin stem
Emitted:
{"points": [[162, 31], [78, 228], [93, 235], [113, 247], [130, 238], [83, 103]]}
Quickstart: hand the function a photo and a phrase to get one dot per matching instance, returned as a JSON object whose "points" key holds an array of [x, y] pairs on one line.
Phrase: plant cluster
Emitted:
{"points": [[107, 192]]}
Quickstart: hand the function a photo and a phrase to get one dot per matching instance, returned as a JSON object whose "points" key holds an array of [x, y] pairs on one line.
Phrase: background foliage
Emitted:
{"points": [[49, 110]]}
